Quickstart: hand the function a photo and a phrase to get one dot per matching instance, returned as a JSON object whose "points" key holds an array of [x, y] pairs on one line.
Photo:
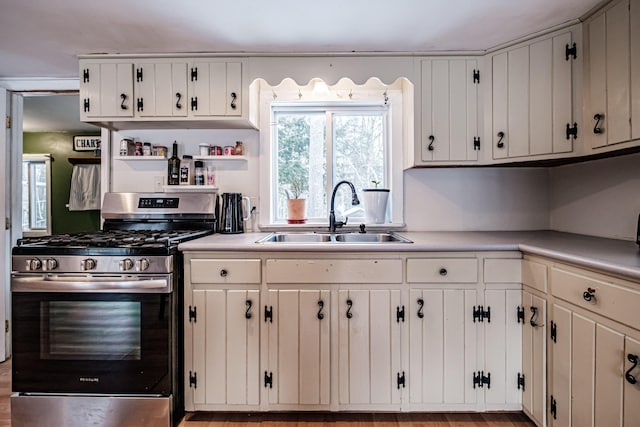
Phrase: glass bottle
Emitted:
{"points": [[199, 172], [174, 167]]}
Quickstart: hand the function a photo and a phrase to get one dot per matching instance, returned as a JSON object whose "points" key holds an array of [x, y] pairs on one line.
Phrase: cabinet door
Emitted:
{"points": [[161, 89], [299, 352], [560, 399], [534, 356], [449, 110], [369, 347], [583, 359], [442, 346], [634, 21], [617, 77], [215, 89], [631, 391], [106, 90], [597, 69], [225, 347], [500, 106], [609, 376], [503, 348], [518, 102]]}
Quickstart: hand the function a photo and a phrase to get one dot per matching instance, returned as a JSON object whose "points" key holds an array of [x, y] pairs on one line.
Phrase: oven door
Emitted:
{"points": [[93, 335]]}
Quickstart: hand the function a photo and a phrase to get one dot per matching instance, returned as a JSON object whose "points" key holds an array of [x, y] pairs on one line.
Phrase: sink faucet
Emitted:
{"points": [[333, 224]]}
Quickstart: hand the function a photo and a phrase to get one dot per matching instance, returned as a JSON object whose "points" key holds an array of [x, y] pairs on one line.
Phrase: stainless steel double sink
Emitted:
{"points": [[323, 238]]}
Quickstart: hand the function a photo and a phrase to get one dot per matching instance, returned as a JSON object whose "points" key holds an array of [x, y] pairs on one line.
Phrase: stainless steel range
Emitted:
{"points": [[97, 316]]}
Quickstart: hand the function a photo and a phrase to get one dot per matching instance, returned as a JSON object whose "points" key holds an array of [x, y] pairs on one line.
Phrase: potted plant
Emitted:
{"points": [[296, 205], [375, 203]]}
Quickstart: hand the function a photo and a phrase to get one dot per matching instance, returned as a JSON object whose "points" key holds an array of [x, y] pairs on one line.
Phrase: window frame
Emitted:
{"points": [[27, 159], [297, 96]]}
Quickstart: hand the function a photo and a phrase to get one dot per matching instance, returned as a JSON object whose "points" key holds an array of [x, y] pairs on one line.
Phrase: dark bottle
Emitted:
{"points": [[174, 167]]}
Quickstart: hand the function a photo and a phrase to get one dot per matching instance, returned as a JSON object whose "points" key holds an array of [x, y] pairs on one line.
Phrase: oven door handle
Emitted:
{"points": [[41, 284]]}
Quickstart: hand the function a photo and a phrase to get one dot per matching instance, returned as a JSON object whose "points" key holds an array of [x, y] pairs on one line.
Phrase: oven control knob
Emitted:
{"points": [[126, 264], [34, 264], [142, 264], [50, 264], [88, 264]]}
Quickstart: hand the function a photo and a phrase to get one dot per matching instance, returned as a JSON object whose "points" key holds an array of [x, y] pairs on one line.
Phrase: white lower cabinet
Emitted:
{"points": [[370, 325], [223, 369], [297, 326], [532, 381], [442, 348]]}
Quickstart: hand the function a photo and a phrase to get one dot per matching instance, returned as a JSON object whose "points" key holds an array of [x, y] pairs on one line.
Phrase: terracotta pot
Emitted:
{"points": [[296, 209]]}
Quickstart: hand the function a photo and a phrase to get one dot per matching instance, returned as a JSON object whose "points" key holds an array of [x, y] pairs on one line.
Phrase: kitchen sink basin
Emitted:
{"points": [[384, 237]]}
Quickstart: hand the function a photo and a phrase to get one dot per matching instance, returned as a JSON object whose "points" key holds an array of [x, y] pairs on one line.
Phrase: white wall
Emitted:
{"points": [[599, 198], [460, 199]]}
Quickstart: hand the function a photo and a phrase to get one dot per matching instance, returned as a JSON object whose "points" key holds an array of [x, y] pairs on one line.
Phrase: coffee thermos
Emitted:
{"points": [[232, 215]]}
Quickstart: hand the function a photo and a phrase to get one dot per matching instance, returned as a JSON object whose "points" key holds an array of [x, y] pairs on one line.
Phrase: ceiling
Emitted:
{"points": [[42, 38]]}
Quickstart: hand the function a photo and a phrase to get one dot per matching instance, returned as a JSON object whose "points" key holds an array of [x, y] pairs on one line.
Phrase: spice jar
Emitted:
{"points": [[146, 149], [239, 150], [186, 170], [199, 172]]}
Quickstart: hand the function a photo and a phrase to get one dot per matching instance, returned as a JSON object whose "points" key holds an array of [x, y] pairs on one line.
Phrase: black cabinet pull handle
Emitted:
{"points": [[534, 317], [349, 305], [589, 294], [123, 97], [224, 273], [421, 307], [443, 272], [597, 129], [431, 138], [178, 104], [234, 96], [247, 314], [501, 136], [633, 358], [320, 313]]}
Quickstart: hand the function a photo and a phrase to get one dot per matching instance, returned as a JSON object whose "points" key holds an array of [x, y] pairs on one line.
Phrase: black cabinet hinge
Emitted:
{"points": [[480, 380], [476, 76], [86, 105], [193, 314], [139, 74], [479, 314], [401, 380], [570, 50], [520, 381], [140, 104], [194, 74], [553, 330], [268, 379], [85, 75], [476, 143], [194, 103], [572, 130], [399, 314], [193, 379], [520, 314], [268, 313], [553, 407]]}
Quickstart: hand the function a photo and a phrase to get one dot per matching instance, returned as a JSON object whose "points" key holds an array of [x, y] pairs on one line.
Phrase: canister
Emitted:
{"points": [[204, 149], [199, 172]]}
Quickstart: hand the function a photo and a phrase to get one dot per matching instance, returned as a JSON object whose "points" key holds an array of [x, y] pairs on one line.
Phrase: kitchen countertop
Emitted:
{"points": [[618, 257]]}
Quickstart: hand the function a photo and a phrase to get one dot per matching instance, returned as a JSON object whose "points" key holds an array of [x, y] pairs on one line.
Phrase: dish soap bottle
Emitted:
{"points": [[174, 167]]}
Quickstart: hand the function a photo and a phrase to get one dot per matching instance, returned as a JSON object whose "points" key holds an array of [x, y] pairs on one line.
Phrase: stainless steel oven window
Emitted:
{"points": [[90, 330]]}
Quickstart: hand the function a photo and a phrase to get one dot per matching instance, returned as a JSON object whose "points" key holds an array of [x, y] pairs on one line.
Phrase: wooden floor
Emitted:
{"points": [[308, 419]]}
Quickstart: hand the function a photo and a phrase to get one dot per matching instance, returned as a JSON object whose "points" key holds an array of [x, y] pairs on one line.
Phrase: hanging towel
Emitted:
{"points": [[85, 188]]}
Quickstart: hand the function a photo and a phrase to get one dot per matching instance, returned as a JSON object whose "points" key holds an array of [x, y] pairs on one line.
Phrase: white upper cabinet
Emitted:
{"points": [[450, 110], [613, 76], [161, 89], [106, 90], [188, 92], [532, 98]]}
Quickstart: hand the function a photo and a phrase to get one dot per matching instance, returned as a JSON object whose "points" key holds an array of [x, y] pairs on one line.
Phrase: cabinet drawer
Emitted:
{"points": [[442, 270], [534, 275], [334, 271], [502, 270], [225, 271], [607, 299]]}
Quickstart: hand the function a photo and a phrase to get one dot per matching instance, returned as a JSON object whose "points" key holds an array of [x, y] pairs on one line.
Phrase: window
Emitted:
{"points": [[36, 194], [312, 139], [316, 147]]}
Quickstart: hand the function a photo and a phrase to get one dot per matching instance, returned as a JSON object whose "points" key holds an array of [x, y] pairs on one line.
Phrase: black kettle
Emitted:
{"points": [[232, 217]]}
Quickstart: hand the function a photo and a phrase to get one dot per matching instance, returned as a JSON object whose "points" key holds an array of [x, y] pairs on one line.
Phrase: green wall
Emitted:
{"points": [[60, 146]]}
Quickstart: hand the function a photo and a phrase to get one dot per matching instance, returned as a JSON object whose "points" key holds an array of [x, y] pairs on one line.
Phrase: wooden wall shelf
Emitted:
{"points": [[86, 160]]}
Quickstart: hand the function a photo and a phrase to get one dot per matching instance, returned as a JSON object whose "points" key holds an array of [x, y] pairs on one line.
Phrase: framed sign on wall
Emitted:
{"points": [[86, 143]]}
